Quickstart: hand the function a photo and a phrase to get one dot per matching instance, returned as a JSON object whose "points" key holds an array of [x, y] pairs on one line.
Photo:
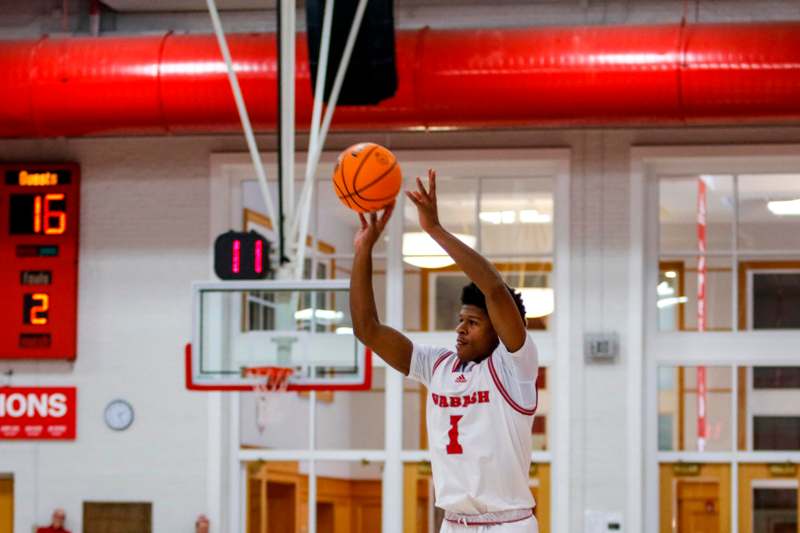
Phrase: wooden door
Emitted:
{"points": [[540, 487], [281, 507], [416, 507], [117, 517], [325, 518], [698, 507], [7, 505], [769, 499], [694, 497]]}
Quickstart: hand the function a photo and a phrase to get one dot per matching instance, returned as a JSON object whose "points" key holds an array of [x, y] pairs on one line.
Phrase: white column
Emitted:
{"points": [[312, 463], [562, 455], [392, 504]]}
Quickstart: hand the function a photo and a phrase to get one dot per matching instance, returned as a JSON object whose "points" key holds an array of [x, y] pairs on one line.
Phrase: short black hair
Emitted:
{"points": [[472, 295]]}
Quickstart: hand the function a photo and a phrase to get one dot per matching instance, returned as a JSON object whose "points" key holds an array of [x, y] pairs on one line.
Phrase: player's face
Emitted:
{"points": [[476, 336]]}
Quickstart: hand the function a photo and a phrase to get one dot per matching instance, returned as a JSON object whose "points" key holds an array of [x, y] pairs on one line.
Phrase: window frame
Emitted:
{"points": [[651, 348], [228, 463]]}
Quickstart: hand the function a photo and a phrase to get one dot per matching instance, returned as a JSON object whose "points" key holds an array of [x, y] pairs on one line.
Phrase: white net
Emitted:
{"points": [[271, 398]]}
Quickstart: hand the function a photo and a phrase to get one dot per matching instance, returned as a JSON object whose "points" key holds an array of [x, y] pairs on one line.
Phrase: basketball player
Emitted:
{"points": [[481, 395]]}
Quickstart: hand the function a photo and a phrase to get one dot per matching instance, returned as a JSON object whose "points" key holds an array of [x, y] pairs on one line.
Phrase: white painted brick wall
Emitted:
{"points": [[143, 240]]}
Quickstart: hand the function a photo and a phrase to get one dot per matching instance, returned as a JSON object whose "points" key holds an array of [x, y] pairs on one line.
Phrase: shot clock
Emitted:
{"points": [[39, 260], [241, 255]]}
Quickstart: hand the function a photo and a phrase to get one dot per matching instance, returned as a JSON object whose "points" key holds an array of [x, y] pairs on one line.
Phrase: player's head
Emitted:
{"points": [[476, 336]]}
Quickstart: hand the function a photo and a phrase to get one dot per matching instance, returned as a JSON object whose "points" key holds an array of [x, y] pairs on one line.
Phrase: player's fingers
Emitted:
{"points": [[373, 218], [421, 187], [410, 196], [363, 220], [386, 214], [432, 182]]}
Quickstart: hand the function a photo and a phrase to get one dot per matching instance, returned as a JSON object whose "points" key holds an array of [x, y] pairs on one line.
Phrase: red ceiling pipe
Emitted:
{"points": [[583, 76]]}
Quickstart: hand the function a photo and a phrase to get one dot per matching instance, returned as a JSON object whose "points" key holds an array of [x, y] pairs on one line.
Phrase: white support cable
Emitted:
{"points": [[314, 157], [261, 174], [316, 114], [287, 111], [339, 80]]}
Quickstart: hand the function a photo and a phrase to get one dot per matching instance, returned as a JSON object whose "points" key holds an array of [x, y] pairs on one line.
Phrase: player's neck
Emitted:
{"points": [[478, 359], [482, 358]]}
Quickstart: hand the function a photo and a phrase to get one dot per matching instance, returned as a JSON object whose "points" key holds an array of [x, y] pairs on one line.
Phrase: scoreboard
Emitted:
{"points": [[39, 215]]}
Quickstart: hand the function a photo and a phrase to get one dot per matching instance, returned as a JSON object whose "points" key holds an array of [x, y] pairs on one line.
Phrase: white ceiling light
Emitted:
{"points": [[498, 217], [539, 301], [532, 216], [525, 216], [664, 289], [420, 250], [669, 302], [671, 274], [327, 316], [344, 330], [785, 207]]}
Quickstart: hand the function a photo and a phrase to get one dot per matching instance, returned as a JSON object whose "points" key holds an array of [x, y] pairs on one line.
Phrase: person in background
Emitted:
{"points": [[56, 524], [201, 525]]}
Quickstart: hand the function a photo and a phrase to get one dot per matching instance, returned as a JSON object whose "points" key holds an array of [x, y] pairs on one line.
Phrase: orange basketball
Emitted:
{"points": [[367, 177]]}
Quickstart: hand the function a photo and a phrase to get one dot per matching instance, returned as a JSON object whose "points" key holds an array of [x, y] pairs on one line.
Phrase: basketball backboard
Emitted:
{"points": [[303, 325]]}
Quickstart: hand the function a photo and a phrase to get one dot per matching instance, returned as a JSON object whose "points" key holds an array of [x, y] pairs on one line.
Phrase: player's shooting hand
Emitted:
{"points": [[425, 200], [371, 228]]}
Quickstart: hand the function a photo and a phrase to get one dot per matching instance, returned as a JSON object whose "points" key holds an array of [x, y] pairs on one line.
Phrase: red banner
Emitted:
{"points": [[38, 413]]}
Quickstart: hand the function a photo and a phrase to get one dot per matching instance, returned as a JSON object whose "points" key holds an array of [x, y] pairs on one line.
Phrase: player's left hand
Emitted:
{"points": [[425, 200]]}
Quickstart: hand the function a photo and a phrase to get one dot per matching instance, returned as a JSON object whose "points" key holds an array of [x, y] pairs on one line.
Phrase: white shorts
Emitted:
{"points": [[528, 525]]}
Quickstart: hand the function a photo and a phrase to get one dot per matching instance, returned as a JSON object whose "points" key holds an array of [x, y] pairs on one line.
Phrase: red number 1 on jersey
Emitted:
{"points": [[454, 448]]}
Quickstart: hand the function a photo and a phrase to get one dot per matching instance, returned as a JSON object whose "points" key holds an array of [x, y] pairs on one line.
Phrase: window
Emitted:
{"points": [[774, 510], [509, 220], [776, 432], [769, 408], [776, 377], [714, 230], [696, 403], [720, 252], [775, 300]]}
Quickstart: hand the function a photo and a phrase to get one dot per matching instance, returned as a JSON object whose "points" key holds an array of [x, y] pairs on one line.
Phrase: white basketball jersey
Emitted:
{"points": [[479, 432]]}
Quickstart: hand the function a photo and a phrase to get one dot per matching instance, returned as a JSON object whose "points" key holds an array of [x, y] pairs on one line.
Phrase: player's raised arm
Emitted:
{"points": [[391, 345], [503, 312]]}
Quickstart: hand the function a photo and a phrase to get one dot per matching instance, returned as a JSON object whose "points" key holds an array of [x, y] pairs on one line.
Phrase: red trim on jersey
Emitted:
{"points": [[468, 523], [440, 361], [517, 407]]}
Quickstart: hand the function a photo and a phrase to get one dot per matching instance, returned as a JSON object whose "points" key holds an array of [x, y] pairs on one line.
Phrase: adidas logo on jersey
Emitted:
{"points": [[461, 379]]}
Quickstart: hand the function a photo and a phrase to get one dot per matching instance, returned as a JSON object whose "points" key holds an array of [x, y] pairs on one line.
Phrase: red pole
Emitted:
{"points": [[702, 395]]}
